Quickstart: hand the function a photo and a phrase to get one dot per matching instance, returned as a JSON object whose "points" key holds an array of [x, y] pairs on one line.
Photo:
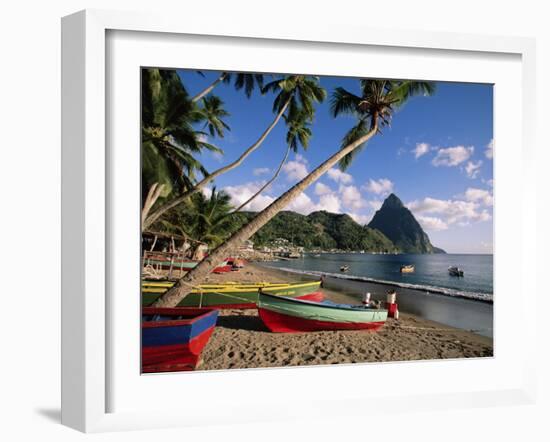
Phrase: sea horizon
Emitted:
{"points": [[430, 275]]}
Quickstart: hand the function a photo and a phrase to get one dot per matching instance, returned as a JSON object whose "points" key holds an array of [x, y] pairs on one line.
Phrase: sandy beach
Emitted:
{"points": [[240, 339]]}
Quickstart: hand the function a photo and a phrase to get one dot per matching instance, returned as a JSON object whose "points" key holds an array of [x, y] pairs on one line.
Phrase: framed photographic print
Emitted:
{"points": [[252, 213]]}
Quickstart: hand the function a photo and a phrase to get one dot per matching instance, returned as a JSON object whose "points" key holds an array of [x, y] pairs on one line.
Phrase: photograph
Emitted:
{"points": [[292, 219]]}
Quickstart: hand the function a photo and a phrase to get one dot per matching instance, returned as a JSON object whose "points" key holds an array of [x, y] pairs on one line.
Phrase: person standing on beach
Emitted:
{"points": [[366, 299]]}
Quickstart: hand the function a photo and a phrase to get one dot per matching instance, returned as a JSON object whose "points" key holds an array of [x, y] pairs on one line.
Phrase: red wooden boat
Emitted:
{"points": [[290, 315], [223, 269], [172, 339]]}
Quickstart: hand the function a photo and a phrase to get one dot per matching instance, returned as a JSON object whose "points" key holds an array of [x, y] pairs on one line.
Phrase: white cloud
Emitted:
{"points": [[473, 169], [302, 204], [450, 212], [360, 219], [347, 199], [261, 171], [351, 197], [330, 203], [490, 183], [241, 193], [322, 189], [375, 204], [379, 187], [485, 215], [490, 149], [481, 195], [339, 176], [452, 156], [421, 149], [297, 169], [305, 205], [432, 223], [206, 191]]}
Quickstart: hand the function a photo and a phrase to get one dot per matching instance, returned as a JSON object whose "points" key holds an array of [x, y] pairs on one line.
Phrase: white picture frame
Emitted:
{"points": [[90, 318]]}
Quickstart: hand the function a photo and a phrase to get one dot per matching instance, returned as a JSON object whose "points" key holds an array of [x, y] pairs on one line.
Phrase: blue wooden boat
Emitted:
{"points": [[172, 339]]}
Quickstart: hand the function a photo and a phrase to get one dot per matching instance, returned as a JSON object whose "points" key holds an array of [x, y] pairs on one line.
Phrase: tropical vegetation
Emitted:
{"points": [[294, 102], [320, 230], [295, 97]]}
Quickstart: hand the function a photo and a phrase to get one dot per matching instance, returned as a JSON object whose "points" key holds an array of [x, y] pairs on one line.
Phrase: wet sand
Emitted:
{"points": [[241, 340]]}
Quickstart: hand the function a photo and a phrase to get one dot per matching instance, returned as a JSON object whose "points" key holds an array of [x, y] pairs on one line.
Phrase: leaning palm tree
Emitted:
{"points": [[296, 95], [375, 106], [298, 134], [248, 82]]}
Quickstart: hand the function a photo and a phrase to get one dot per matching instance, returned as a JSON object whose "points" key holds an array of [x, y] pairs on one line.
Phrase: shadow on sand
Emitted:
{"points": [[242, 322]]}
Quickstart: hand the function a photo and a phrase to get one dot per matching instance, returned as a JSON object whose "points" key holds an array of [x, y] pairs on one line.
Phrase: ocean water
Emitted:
{"points": [[431, 274]]}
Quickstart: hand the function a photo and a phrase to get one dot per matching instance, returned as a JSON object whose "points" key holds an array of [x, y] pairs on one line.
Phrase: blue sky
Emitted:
{"points": [[436, 157]]}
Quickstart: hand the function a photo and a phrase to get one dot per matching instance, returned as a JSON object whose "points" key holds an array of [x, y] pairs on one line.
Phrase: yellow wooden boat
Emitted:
{"points": [[230, 295], [162, 286]]}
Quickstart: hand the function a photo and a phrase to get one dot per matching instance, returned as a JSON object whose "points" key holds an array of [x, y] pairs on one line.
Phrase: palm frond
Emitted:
{"points": [[356, 132], [343, 102]]}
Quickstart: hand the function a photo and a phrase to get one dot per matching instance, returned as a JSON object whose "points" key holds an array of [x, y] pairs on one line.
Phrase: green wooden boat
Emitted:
{"points": [[284, 315], [236, 296]]}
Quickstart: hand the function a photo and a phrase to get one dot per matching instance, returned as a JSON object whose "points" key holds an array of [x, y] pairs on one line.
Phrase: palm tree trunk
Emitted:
{"points": [[273, 178], [182, 288], [208, 89], [176, 201], [152, 196]]}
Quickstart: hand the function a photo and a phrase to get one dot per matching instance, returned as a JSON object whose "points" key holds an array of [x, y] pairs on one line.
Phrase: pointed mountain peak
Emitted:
{"points": [[398, 224], [392, 201]]}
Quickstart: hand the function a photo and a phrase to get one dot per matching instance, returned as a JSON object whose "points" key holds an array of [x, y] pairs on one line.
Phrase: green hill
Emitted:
{"points": [[321, 230], [392, 229]]}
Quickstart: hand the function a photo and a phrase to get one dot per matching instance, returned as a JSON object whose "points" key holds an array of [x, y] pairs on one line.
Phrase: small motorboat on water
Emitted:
{"points": [[455, 271], [344, 268], [407, 268]]}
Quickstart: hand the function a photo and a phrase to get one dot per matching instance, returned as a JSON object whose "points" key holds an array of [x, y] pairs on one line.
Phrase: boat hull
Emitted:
{"points": [[281, 323], [185, 266], [176, 340], [238, 297], [223, 269], [293, 316]]}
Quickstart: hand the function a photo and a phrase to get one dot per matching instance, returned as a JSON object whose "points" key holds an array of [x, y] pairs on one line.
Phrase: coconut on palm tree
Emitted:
{"points": [[296, 96], [373, 109]]}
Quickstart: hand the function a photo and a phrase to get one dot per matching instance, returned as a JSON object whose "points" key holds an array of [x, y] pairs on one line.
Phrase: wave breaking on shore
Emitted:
{"points": [[484, 297]]}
